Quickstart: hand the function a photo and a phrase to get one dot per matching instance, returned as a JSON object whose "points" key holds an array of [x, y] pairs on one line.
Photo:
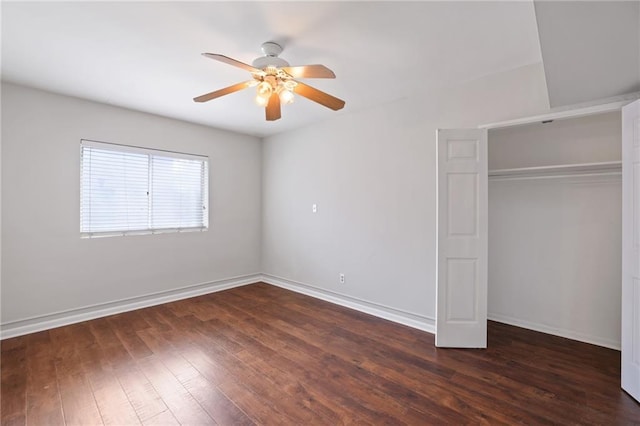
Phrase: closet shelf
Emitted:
{"points": [[562, 170]]}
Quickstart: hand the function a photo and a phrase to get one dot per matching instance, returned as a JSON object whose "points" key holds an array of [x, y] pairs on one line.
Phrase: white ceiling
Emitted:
{"points": [[146, 55], [591, 50]]}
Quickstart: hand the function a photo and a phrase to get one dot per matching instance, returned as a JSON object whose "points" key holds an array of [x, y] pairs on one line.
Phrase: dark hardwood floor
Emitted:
{"points": [[263, 355]]}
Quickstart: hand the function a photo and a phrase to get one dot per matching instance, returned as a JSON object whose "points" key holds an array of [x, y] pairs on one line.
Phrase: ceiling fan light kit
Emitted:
{"points": [[274, 78]]}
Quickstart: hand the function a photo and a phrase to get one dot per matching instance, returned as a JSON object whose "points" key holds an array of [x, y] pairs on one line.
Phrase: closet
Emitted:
{"points": [[555, 227]]}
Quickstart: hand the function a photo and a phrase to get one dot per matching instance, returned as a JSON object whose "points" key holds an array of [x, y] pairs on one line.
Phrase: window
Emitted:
{"points": [[129, 190]]}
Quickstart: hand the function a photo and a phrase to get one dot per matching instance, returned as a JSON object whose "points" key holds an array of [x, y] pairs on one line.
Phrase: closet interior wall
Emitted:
{"points": [[555, 227]]}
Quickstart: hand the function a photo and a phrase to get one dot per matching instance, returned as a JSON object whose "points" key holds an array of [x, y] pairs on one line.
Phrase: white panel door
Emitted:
{"points": [[631, 249], [461, 307]]}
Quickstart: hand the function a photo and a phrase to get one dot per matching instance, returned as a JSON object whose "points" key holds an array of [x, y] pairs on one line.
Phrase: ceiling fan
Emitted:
{"points": [[275, 81]]}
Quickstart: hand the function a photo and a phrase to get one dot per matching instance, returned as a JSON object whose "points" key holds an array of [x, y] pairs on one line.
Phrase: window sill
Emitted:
{"points": [[89, 235]]}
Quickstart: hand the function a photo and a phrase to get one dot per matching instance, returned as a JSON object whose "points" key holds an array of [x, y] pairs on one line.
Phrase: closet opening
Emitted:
{"points": [[555, 227]]}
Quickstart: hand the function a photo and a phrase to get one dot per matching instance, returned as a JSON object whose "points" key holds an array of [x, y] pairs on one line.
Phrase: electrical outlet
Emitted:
{"points": [[341, 278], [314, 208]]}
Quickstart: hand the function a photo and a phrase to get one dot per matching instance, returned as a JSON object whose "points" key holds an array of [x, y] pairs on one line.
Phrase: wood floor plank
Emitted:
{"points": [[180, 402], [78, 403], [125, 327], [216, 404], [365, 388], [162, 419], [257, 383], [296, 364], [44, 405], [141, 394], [280, 356], [259, 354], [111, 345], [99, 369], [241, 393], [300, 387], [400, 369], [14, 381], [327, 363], [112, 401], [7, 345], [220, 408], [350, 337]]}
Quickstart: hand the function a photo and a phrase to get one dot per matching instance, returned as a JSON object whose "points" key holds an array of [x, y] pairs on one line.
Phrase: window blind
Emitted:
{"points": [[128, 189]]}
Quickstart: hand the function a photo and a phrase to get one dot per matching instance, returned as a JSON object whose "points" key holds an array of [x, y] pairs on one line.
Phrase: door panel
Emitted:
{"points": [[463, 204], [631, 249], [461, 309], [461, 290]]}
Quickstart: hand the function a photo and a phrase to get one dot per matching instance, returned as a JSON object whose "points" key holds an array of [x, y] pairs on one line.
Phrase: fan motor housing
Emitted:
{"points": [[271, 51]]}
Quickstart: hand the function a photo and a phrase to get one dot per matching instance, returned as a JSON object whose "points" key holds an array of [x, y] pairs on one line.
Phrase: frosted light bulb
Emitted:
{"points": [[290, 85], [262, 100], [265, 89], [286, 97], [264, 92]]}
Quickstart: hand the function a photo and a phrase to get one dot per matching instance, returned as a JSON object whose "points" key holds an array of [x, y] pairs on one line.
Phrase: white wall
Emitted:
{"points": [[48, 268], [590, 139], [372, 175], [555, 244]]}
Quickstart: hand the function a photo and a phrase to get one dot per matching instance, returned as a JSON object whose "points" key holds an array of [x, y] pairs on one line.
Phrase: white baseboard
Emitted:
{"points": [[72, 316], [59, 319], [402, 317], [569, 334]]}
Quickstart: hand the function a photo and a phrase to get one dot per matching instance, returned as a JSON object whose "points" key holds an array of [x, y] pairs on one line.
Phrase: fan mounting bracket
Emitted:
{"points": [[271, 48]]}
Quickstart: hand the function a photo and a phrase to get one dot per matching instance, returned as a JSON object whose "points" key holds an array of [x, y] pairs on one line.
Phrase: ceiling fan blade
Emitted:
{"points": [[273, 107], [225, 91], [230, 61], [309, 71], [318, 96]]}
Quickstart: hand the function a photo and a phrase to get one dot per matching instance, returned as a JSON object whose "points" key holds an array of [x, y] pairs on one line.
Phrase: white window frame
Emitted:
{"points": [[150, 153]]}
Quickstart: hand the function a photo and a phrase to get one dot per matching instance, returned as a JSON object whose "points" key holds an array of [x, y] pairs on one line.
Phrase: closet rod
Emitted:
{"points": [[555, 176], [559, 171]]}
